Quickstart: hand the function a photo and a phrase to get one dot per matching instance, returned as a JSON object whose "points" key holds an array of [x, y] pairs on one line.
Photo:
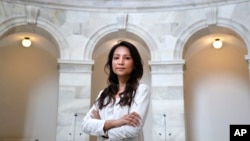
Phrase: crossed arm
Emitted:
{"points": [[127, 126], [133, 119]]}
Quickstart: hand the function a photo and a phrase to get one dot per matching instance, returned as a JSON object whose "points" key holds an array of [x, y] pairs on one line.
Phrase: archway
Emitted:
{"points": [[216, 84], [29, 85]]}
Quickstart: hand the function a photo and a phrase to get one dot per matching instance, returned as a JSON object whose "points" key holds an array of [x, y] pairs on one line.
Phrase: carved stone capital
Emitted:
{"points": [[75, 66], [173, 66]]}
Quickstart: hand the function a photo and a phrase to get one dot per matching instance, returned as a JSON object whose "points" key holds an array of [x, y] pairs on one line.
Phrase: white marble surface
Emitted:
{"points": [[74, 30]]}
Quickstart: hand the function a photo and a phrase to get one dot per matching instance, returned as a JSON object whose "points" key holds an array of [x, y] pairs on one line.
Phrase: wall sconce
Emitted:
{"points": [[217, 43], [26, 42]]}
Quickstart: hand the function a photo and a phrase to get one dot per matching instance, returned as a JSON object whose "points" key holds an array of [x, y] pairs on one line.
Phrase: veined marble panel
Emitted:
{"points": [[168, 120], [64, 134], [72, 129], [160, 107], [67, 110], [75, 79], [173, 79], [67, 92], [82, 92], [167, 93]]}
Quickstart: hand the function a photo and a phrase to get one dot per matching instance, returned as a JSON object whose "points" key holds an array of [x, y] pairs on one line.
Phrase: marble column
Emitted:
{"points": [[168, 100], [73, 98]]}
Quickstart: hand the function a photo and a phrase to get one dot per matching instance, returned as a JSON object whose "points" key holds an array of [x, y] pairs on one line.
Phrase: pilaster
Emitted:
{"points": [[168, 100], [73, 99]]}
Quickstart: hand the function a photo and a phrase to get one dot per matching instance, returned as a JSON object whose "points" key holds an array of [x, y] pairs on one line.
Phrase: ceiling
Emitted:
{"points": [[45, 40], [126, 5]]}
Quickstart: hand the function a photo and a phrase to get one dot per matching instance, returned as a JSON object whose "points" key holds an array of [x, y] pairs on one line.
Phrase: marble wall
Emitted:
{"points": [[165, 32]]}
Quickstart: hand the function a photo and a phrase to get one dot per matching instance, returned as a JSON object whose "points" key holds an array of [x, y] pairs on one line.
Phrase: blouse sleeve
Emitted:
{"points": [[92, 126], [140, 106]]}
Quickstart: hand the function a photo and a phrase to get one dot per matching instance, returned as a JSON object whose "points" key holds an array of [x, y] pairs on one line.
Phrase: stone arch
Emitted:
{"points": [[185, 35], [99, 34], [191, 33], [45, 73], [46, 28], [239, 29]]}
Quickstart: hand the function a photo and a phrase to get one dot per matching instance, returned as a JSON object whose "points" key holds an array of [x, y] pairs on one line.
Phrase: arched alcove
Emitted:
{"points": [[28, 85], [141, 36], [216, 84], [100, 53], [221, 27], [42, 27], [33, 31]]}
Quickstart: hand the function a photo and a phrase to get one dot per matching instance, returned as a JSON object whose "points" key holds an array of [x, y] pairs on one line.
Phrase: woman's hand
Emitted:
{"points": [[95, 114], [132, 119]]}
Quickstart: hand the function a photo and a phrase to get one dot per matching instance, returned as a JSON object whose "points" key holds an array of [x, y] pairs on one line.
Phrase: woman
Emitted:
{"points": [[120, 110]]}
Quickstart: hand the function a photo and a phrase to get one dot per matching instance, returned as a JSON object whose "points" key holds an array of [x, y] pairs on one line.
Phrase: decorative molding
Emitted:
{"points": [[126, 6], [122, 20], [32, 13], [211, 15], [173, 66], [75, 66]]}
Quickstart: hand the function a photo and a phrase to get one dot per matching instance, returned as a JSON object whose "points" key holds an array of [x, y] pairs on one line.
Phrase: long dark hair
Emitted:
{"points": [[126, 97]]}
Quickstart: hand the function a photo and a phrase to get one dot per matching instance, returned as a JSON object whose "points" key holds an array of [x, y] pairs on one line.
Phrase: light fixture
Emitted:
{"points": [[217, 43], [26, 42]]}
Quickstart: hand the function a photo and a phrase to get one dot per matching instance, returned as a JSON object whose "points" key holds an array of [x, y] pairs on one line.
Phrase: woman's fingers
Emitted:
{"points": [[134, 119], [95, 114]]}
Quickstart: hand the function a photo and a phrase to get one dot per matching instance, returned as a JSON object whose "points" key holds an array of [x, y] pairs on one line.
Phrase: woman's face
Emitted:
{"points": [[122, 62]]}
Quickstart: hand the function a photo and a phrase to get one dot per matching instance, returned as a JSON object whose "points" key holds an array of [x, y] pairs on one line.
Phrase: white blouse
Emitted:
{"points": [[115, 111]]}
